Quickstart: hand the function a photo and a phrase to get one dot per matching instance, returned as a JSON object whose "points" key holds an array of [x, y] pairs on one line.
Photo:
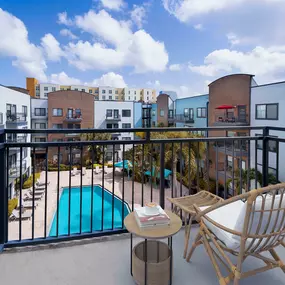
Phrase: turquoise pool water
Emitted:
{"points": [[86, 211]]}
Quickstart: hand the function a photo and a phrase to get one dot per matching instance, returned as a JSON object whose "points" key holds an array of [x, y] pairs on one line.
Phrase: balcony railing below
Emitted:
{"points": [[227, 120], [73, 119], [113, 117], [180, 118], [16, 118]]}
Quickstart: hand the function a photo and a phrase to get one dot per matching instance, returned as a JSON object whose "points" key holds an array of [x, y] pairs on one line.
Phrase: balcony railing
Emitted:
{"points": [[180, 118], [14, 169], [227, 120], [37, 116], [189, 164], [73, 119], [16, 118], [113, 117]]}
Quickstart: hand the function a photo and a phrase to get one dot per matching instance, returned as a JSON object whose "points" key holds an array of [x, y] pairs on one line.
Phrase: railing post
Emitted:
{"points": [[162, 180], [265, 156], [3, 193]]}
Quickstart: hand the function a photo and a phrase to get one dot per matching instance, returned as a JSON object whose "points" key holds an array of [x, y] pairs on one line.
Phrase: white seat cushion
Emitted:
{"points": [[226, 216]]}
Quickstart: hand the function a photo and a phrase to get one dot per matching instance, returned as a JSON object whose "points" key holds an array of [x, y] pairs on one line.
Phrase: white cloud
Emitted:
{"points": [[63, 19], [234, 39], [14, 43], [184, 10], [263, 62], [113, 4], [138, 15], [63, 79], [102, 24], [110, 79], [175, 67], [51, 47], [138, 49], [68, 33], [198, 27]]}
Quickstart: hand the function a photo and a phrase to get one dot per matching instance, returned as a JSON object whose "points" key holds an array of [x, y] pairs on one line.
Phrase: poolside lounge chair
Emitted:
{"points": [[37, 191], [97, 170], [104, 169], [28, 205], [253, 228], [74, 171], [39, 184], [24, 216], [30, 197]]}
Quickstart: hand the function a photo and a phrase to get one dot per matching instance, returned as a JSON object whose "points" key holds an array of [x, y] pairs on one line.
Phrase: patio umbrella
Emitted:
{"points": [[225, 107], [126, 164], [167, 172]]}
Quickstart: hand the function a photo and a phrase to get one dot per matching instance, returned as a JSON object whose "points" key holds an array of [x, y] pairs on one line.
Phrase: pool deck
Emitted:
{"points": [[51, 197]]}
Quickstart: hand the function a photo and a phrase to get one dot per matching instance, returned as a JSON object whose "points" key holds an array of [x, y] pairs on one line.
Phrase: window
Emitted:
{"points": [[25, 110], [57, 112], [37, 94], [53, 89], [229, 162], [103, 91], [109, 113], [110, 91], [90, 91], [116, 92], [57, 140], [77, 126], [24, 152], [135, 98], [57, 126], [272, 145], [186, 112], [76, 89], [126, 138], [129, 92], [147, 98], [38, 88], [45, 94], [77, 113], [129, 97], [117, 97], [115, 126], [126, 126], [103, 97], [191, 113], [11, 109], [266, 111], [147, 92], [40, 125], [110, 97], [161, 113], [40, 139], [153, 113], [201, 112], [109, 156], [109, 126], [126, 113], [45, 88], [61, 88], [83, 90], [96, 91], [135, 92]]}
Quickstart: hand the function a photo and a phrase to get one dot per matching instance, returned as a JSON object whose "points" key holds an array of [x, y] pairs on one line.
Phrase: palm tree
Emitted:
{"points": [[98, 149]]}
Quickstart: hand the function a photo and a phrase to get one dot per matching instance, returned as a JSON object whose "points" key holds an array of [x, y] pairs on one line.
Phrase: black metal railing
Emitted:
{"points": [[113, 117], [82, 194], [181, 118], [16, 117]]}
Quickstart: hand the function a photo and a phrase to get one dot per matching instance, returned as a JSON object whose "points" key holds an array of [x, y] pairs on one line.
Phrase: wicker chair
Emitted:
{"points": [[243, 229]]}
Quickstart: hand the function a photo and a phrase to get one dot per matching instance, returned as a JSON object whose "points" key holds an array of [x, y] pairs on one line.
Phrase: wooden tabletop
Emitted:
{"points": [[158, 232]]}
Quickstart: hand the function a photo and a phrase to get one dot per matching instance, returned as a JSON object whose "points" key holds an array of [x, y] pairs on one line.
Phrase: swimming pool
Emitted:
{"points": [[121, 210]]}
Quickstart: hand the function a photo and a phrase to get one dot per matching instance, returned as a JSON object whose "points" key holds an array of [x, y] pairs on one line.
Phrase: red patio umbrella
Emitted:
{"points": [[225, 107]]}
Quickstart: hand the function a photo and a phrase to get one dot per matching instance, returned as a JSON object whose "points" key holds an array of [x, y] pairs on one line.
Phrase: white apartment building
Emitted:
{"points": [[80, 88], [133, 94], [108, 93], [267, 106], [114, 115], [15, 114], [43, 89], [147, 95]]}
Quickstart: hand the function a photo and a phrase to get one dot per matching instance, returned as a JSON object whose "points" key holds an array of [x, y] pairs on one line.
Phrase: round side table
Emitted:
{"points": [[153, 233]]}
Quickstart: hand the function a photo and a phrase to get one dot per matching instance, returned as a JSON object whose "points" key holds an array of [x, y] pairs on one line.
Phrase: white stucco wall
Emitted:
{"points": [[50, 87], [273, 93], [107, 93], [132, 94]]}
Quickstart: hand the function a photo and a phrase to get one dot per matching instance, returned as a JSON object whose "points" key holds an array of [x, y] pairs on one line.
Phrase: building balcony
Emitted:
{"points": [[73, 119], [113, 118], [180, 118], [14, 170], [226, 120], [236, 149], [72, 135], [16, 118], [39, 117]]}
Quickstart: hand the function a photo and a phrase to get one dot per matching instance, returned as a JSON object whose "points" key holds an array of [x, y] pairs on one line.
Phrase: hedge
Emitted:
{"points": [[12, 205], [29, 182]]}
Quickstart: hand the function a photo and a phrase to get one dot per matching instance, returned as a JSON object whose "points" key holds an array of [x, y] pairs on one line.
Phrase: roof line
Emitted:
{"points": [[235, 74], [268, 84]]}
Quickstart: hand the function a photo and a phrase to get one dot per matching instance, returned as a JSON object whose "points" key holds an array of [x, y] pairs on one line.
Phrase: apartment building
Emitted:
{"points": [[267, 103], [15, 114], [41, 90], [69, 109], [165, 110], [115, 115]]}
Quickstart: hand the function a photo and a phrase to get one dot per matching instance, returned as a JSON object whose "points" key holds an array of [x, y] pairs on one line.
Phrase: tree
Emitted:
{"points": [[98, 149]]}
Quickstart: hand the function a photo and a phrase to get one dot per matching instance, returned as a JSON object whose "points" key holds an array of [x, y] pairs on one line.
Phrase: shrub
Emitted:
{"points": [[29, 182], [12, 205], [109, 165], [94, 166]]}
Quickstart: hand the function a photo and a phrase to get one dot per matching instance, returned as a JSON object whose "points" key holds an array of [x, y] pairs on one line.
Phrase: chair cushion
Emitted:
{"points": [[226, 216]]}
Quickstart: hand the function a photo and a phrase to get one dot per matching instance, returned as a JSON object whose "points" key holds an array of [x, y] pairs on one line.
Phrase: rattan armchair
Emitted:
{"points": [[246, 225]]}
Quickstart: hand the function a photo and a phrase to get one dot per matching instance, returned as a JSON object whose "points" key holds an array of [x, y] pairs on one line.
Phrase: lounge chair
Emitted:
{"points": [[97, 170], [74, 171], [253, 228], [39, 184], [37, 191], [28, 205], [104, 169], [30, 197], [83, 170], [24, 216]]}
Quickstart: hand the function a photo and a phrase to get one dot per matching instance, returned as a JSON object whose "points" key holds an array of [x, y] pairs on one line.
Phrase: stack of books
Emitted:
{"points": [[144, 220]]}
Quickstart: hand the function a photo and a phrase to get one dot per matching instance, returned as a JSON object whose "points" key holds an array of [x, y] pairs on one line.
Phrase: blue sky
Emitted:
{"points": [[179, 45]]}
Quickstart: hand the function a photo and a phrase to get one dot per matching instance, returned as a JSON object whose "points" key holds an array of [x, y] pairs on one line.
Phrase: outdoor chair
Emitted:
{"points": [[83, 170], [30, 197], [28, 205], [186, 204], [24, 216], [248, 225], [40, 184], [97, 170], [74, 171]]}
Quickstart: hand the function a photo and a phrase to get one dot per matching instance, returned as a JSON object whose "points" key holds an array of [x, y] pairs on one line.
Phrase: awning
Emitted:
{"points": [[225, 107], [167, 172]]}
